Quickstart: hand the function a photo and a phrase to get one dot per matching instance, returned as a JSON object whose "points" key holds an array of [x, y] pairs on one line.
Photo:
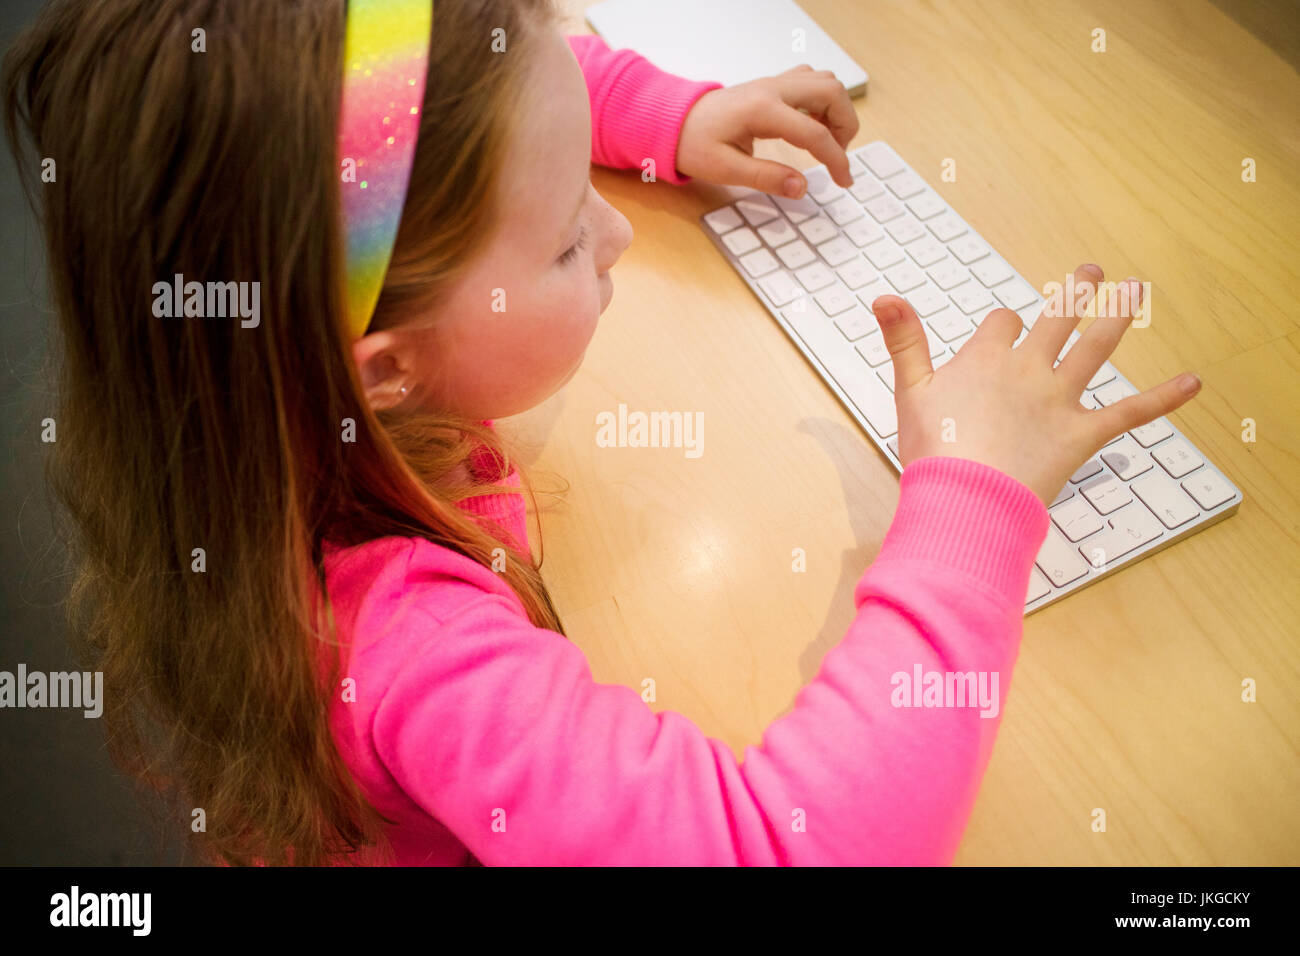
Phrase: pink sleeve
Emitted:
{"points": [[637, 109], [497, 729]]}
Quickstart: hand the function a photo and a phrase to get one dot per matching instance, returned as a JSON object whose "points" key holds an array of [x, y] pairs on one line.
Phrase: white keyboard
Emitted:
{"points": [[817, 264]]}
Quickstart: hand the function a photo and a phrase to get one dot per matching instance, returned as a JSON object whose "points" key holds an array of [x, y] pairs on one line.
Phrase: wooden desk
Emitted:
{"points": [[1126, 696]]}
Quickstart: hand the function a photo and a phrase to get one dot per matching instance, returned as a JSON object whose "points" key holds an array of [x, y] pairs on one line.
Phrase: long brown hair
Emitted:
{"points": [[181, 434]]}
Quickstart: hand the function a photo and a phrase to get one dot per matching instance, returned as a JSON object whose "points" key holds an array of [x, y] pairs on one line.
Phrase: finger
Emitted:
{"points": [[826, 96], [1000, 327], [806, 132], [1136, 410], [738, 168], [1053, 327], [823, 96], [803, 69], [1100, 338], [905, 339]]}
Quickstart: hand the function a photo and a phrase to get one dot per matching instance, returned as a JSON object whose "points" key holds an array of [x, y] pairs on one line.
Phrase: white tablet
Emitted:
{"points": [[728, 41]]}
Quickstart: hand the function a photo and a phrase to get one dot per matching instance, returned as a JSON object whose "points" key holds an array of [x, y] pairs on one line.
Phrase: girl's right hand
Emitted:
{"points": [[1008, 407]]}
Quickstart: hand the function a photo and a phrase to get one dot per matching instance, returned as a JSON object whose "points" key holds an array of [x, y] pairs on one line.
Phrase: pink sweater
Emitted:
{"points": [[478, 733]]}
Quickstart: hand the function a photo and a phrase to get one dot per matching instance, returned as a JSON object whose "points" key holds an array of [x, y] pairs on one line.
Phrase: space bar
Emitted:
{"points": [[849, 370]]}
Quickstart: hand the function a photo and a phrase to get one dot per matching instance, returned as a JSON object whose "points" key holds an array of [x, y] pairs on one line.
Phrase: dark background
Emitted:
{"points": [[61, 799]]}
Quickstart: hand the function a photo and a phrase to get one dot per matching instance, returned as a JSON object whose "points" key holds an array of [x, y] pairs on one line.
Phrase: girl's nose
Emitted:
{"points": [[618, 236]]}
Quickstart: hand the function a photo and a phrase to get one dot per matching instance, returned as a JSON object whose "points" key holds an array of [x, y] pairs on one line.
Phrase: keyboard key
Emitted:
{"points": [[925, 252], [905, 185], [1112, 393], [741, 241], [835, 300], [838, 251], [1127, 530], [1177, 457], [873, 290], [862, 232], [1152, 432], [1059, 560], [1107, 493], [968, 249], [873, 350], [972, 298], [991, 271], [1166, 499], [723, 220], [884, 208], [778, 232], [905, 277], [881, 160], [950, 324], [1126, 458], [864, 190], [846, 368], [946, 227], [886, 373], [856, 323], [1015, 294], [798, 209], [884, 254], [1065, 494], [948, 275], [780, 288], [821, 187], [926, 206], [856, 273], [844, 210], [1104, 374], [927, 301], [1038, 586], [815, 276], [1076, 518], [796, 255], [1086, 470], [903, 231], [937, 346], [758, 263], [818, 230], [958, 343], [757, 208], [1208, 489]]}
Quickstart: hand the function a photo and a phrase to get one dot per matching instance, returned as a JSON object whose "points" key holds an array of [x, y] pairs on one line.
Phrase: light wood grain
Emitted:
{"points": [[1126, 696]]}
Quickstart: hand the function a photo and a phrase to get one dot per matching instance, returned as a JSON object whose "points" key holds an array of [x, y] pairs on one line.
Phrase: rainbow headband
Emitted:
{"points": [[385, 61]]}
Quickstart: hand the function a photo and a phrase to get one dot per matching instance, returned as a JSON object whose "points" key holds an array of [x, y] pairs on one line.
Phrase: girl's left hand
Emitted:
{"points": [[717, 138]]}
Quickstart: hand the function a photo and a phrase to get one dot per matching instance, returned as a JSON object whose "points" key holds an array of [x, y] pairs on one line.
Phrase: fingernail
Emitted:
{"points": [[793, 186], [1189, 383], [1093, 268], [887, 313]]}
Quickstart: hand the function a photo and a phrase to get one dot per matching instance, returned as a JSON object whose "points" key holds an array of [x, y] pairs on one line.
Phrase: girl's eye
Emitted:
{"points": [[572, 252]]}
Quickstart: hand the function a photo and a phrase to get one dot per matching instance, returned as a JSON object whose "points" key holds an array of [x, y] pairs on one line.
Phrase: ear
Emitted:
{"points": [[384, 366]]}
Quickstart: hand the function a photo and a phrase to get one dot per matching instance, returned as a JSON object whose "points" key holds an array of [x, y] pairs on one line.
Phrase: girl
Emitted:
{"points": [[304, 568]]}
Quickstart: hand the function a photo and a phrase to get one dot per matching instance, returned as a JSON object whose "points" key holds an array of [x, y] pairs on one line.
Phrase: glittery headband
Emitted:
{"points": [[385, 59]]}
